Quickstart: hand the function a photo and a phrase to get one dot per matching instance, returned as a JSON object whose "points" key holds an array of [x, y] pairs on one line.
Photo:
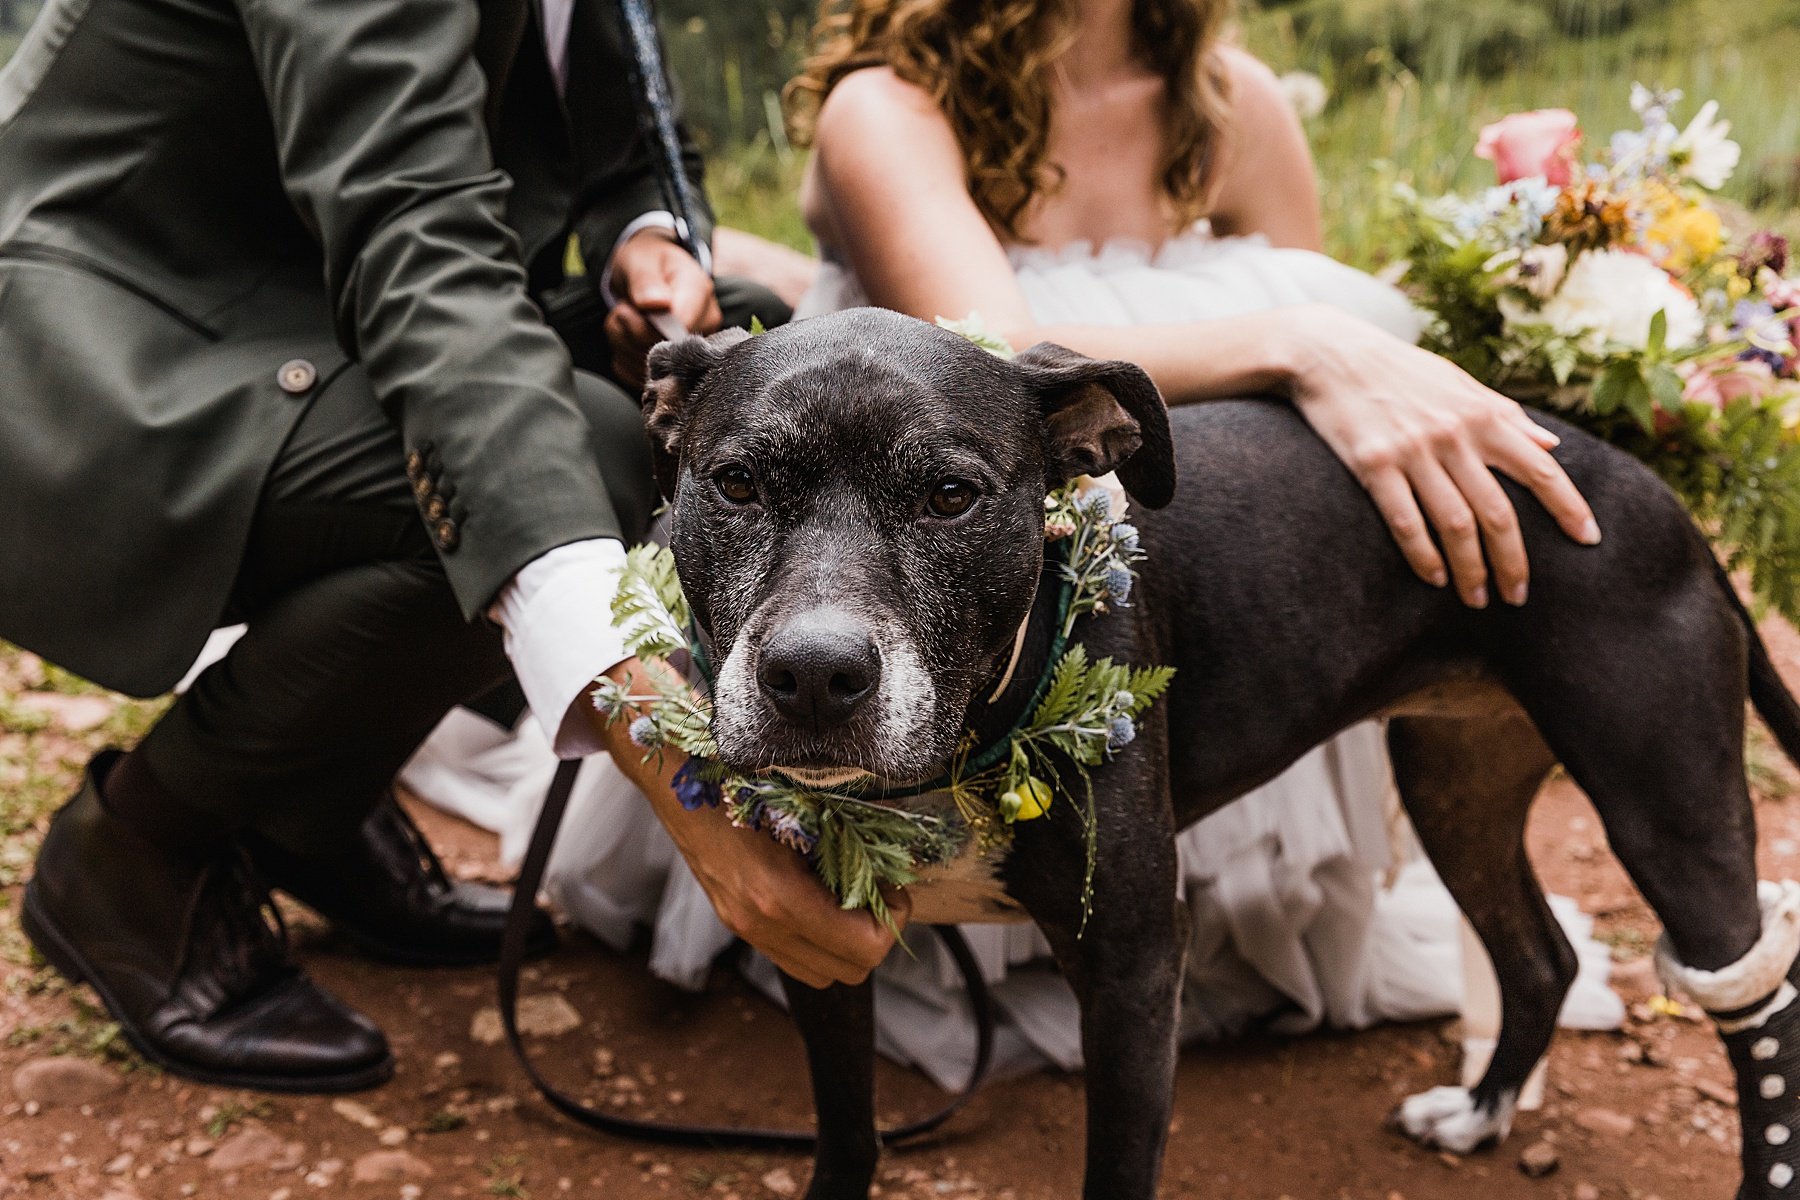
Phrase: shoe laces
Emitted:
{"points": [[389, 815], [232, 929]]}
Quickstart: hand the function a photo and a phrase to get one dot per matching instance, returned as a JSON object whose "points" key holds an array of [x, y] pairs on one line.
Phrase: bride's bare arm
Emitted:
{"points": [[1420, 434]]}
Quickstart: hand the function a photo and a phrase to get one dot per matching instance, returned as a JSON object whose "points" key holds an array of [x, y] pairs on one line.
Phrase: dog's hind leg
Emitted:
{"points": [[1653, 729], [838, 1025], [1468, 785]]}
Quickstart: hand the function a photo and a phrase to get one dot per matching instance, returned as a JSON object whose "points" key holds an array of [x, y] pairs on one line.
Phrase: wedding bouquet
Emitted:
{"points": [[1606, 288]]}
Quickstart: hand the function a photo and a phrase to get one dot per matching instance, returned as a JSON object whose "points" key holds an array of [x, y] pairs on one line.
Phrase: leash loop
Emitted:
{"points": [[512, 959]]}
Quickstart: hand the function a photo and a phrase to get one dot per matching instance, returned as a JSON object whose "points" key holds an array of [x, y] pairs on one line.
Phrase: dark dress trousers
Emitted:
{"points": [[214, 214]]}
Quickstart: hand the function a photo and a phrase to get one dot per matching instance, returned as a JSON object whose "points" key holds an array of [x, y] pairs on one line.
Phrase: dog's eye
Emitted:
{"points": [[736, 485], [950, 498]]}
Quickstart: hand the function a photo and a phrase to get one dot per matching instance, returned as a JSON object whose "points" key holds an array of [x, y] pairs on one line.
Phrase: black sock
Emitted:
{"points": [[133, 796]]}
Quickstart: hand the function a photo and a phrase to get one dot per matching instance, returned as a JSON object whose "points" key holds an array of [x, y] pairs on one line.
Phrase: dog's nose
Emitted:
{"points": [[818, 669]]}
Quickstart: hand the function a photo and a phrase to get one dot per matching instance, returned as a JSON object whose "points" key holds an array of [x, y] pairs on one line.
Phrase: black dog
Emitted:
{"points": [[858, 519]]}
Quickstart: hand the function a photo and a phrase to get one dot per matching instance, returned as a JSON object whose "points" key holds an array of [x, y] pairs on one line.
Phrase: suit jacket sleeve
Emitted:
{"points": [[377, 108], [617, 163]]}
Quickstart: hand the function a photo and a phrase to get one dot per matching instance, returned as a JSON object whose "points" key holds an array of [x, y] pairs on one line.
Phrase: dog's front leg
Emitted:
{"points": [[838, 1025], [1125, 966]]}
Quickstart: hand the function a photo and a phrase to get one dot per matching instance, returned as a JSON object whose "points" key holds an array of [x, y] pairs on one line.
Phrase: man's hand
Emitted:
{"points": [[763, 891], [653, 273]]}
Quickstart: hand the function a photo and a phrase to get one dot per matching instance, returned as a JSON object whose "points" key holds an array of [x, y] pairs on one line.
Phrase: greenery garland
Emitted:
{"points": [[859, 838]]}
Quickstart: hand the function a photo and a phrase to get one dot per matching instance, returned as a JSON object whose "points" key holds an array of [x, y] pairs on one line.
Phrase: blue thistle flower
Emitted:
{"points": [[1121, 731], [1097, 504], [1118, 582], [693, 791], [1126, 534], [645, 733]]}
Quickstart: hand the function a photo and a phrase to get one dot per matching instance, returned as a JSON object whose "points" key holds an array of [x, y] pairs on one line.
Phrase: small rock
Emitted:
{"points": [[1636, 977], [1605, 1121], [1586, 1191], [119, 1165], [1539, 1159], [356, 1114], [449, 1060], [393, 1135], [389, 1166], [62, 1083], [249, 1147], [546, 1014], [198, 1147], [780, 1182], [1718, 1093]]}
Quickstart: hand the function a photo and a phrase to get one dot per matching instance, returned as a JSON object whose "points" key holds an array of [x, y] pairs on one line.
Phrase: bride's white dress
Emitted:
{"points": [[1308, 904]]}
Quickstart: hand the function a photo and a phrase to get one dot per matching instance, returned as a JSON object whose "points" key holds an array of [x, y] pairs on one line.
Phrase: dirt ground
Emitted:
{"points": [[1643, 1113]]}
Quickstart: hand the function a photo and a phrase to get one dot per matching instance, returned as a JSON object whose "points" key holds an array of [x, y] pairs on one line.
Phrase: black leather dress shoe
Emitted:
{"points": [[190, 958], [387, 892]]}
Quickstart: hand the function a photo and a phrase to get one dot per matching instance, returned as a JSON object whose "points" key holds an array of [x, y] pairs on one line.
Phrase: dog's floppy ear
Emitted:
{"points": [[674, 371], [1102, 416]]}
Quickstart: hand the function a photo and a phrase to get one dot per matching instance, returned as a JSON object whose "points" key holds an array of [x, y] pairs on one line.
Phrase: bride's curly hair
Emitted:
{"points": [[986, 63]]}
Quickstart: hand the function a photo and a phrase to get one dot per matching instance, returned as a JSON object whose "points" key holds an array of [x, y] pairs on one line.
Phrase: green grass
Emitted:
{"points": [[1389, 120], [1421, 128]]}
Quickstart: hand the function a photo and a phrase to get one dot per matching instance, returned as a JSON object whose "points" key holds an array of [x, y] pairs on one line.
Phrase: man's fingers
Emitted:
{"points": [[1394, 497], [1499, 523], [692, 299], [627, 328], [1456, 527]]}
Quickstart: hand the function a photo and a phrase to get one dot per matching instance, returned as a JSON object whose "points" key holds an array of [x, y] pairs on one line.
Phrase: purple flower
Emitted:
{"points": [[1765, 249], [693, 791], [786, 828], [1121, 731]]}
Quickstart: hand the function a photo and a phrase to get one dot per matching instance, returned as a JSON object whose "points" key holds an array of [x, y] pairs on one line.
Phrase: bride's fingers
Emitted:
{"points": [[1539, 434], [1393, 496], [1529, 464], [1493, 509], [1454, 521]]}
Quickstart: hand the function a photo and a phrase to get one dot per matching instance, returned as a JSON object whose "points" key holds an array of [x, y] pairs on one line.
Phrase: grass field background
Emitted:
{"points": [[1411, 81]]}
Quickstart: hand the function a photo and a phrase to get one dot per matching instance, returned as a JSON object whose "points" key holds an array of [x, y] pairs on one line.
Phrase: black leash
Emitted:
{"points": [[655, 98], [512, 958]]}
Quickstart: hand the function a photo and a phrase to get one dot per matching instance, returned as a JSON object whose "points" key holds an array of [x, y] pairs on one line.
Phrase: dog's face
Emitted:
{"points": [[858, 512]]}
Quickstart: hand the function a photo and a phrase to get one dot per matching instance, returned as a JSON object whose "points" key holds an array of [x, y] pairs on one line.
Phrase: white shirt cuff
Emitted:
{"points": [[650, 220], [559, 634]]}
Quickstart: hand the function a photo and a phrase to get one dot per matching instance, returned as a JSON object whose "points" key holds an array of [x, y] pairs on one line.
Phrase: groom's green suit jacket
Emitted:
{"points": [[210, 210]]}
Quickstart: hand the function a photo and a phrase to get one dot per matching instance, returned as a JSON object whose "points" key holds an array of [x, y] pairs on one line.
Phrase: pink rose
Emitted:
{"points": [[1719, 383], [1532, 143]]}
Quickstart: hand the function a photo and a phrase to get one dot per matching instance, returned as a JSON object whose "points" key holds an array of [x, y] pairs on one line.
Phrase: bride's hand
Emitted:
{"points": [[1421, 435]]}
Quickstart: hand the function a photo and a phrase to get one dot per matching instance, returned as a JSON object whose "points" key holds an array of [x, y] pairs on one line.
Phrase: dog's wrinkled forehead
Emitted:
{"points": [[877, 384]]}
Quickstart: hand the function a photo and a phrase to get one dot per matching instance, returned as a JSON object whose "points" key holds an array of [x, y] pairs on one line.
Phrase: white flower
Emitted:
{"points": [[1306, 93], [1611, 296], [1704, 153], [1541, 269], [1652, 105]]}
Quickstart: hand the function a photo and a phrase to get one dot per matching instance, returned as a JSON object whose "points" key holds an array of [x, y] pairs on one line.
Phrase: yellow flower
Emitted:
{"points": [[1028, 802], [1686, 235]]}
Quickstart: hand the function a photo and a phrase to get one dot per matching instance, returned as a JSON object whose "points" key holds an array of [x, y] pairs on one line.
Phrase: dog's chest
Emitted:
{"points": [[967, 888]]}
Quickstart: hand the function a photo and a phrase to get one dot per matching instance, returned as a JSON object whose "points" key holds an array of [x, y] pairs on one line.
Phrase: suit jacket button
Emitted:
{"points": [[435, 508], [446, 534], [297, 377], [421, 488], [415, 465]]}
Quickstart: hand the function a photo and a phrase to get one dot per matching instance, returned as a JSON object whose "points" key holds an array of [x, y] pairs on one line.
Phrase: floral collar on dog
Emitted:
{"points": [[859, 837]]}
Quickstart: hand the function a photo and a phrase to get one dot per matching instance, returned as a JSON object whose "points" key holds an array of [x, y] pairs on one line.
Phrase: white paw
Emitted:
{"points": [[1445, 1118]]}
